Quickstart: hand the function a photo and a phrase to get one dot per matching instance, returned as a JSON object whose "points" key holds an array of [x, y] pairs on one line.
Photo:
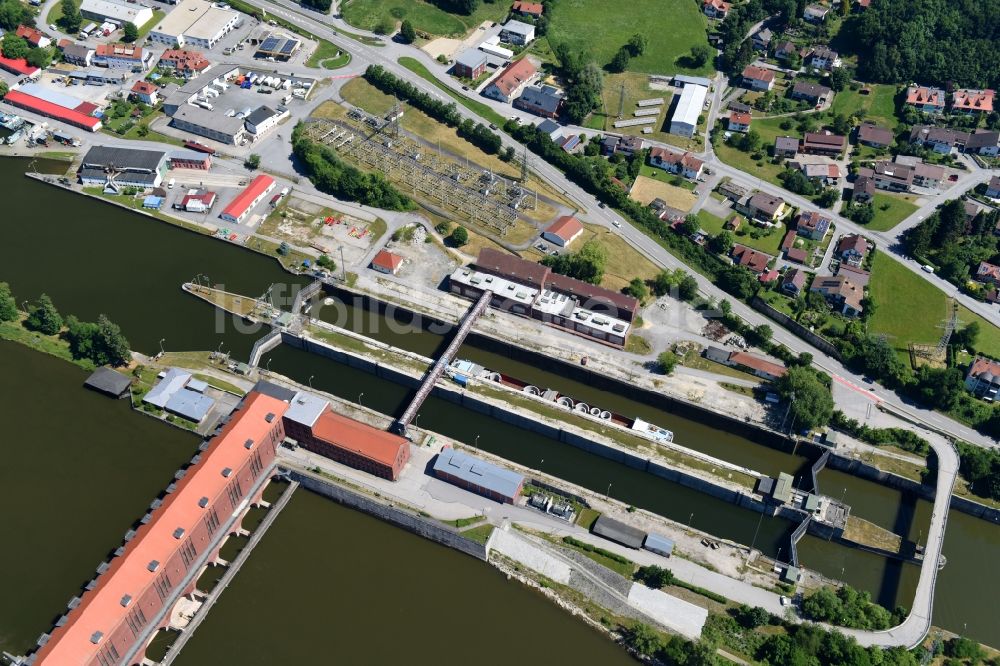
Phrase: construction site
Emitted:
{"points": [[494, 204]]}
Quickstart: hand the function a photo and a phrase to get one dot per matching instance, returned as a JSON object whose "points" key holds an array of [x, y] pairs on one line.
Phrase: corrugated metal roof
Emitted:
{"points": [[658, 544], [190, 404], [479, 472], [617, 531], [173, 380], [51, 96]]}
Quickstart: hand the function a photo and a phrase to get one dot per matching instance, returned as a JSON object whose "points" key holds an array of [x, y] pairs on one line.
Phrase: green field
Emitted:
{"points": [[478, 108], [900, 207], [328, 56], [879, 105], [425, 17], [766, 243], [671, 28], [988, 341]]}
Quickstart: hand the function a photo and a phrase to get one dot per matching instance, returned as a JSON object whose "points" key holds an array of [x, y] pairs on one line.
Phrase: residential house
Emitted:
{"points": [[470, 64], [864, 189], [793, 282], [766, 207], [813, 93], [122, 56], [387, 262], [823, 174], [812, 225], [563, 231], [682, 164], [859, 277], [739, 122], [518, 33], [76, 54], [739, 107], [926, 99], [841, 293], [197, 201], [988, 273], [749, 258], [788, 242], [940, 139], [506, 86], [184, 62], [815, 13], [627, 145], [890, 176], [717, 9], [532, 9], [734, 191], [33, 36], [970, 101], [799, 255], [983, 379], [993, 188], [983, 142], [758, 78], [785, 50], [823, 143], [146, 92], [786, 146], [852, 248], [872, 135], [928, 175], [542, 100], [761, 39], [822, 57], [972, 210]]}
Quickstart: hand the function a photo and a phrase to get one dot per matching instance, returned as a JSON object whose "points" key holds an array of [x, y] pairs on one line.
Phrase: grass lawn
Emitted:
{"points": [[890, 210], [479, 108], [761, 168], [671, 28], [425, 17], [158, 15], [988, 341], [879, 105], [766, 243], [646, 189], [636, 88], [587, 518], [480, 534], [909, 308], [328, 56]]}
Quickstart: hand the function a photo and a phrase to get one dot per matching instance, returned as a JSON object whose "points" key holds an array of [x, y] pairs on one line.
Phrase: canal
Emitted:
{"points": [[55, 249], [78, 470], [329, 585]]}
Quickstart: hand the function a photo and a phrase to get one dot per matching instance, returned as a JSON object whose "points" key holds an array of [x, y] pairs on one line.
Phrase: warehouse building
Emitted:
{"points": [[56, 105], [689, 108], [263, 119], [245, 201], [478, 476], [195, 24], [134, 593], [619, 532], [124, 167], [210, 124], [116, 12]]}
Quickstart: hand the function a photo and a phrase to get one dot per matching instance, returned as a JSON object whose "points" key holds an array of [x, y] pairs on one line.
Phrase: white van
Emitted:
{"points": [[170, 184]]}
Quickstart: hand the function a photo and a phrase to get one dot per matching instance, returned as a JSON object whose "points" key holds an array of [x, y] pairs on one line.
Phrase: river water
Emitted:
{"points": [[136, 281]]}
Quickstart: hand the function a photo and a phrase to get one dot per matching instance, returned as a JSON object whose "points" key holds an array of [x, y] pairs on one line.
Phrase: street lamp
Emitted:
{"points": [[311, 380], [476, 445], [162, 340], [360, 395], [607, 495], [219, 350], [691, 517], [417, 420], [268, 366]]}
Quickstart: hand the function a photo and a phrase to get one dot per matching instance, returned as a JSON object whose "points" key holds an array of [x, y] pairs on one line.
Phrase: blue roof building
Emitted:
{"points": [[660, 545], [190, 405], [478, 476], [152, 202]]}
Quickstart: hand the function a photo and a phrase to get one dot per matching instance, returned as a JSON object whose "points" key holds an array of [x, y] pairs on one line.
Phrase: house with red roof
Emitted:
{"points": [[533, 9], [184, 62], [717, 9], [245, 201], [852, 248], [563, 231], [758, 78], [387, 262], [988, 272], [971, 101], [739, 121], [926, 99], [983, 379], [757, 365], [33, 36], [682, 164], [146, 92], [511, 81], [749, 258]]}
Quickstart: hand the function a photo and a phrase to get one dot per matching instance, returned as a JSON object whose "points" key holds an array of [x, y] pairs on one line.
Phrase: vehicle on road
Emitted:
{"points": [[616, 223], [927, 268], [785, 601], [602, 205], [465, 87], [493, 125]]}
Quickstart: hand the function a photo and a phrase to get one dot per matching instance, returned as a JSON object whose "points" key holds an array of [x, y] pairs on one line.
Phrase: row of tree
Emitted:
{"points": [[15, 47], [475, 133], [847, 607], [101, 342], [587, 263], [634, 48], [582, 79], [332, 175]]}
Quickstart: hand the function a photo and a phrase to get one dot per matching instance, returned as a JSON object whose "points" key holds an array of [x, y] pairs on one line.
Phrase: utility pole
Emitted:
{"points": [[621, 101]]}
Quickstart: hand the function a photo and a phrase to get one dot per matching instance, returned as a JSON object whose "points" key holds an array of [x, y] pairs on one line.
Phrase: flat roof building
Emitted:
{"points": [[277, 47], [689, 108], [209, 124], [119, 12], [122, 166], [195, 23], [470, 64], [251, 195], [478, 476]]}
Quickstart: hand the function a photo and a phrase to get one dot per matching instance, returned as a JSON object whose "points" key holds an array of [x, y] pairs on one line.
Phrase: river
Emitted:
{"points": [[136, 282]]}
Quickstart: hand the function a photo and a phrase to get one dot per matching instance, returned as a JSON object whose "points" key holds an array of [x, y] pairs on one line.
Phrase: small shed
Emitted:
{"points": [[152, 202], [108, 382], [660, 545], [619, 532], [791, 575], [716, 354]]}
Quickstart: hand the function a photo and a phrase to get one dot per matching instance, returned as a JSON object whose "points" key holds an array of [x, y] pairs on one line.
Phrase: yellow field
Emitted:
{"points": [[645, 189]]}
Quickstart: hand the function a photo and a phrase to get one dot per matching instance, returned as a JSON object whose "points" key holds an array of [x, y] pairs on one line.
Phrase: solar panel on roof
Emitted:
{"points": [[288, 47], [269, 44]]}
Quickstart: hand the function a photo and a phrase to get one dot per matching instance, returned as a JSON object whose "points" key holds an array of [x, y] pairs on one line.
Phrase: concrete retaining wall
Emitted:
{"points": [[427, 528]]}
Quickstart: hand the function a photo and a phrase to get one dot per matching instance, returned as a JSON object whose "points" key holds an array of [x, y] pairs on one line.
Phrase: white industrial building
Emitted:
{"points": [[264, 119], [195, 23], [689, 108], [119, 12]]}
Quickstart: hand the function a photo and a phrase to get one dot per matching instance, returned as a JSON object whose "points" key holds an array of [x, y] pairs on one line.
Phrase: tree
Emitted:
{"points": [[620, 62], [965, 338], [840, 77], [587, 264], [810, 400], [763, 333], [319, 5], [688, 288], [4, 89], [43, 316], [252, 162], [636, 45], [326, 262], [700, 55], [637, 289], [961, 647], [654, 576], [460, 236], [8, 306], [667, 361], [15, 47], [643, 639], [828, 197], [722, 242], [39, 57], [738, 281], [750, 617], [130, 33], [406, 32], [111, 345], [750, 142], [71, 18]]}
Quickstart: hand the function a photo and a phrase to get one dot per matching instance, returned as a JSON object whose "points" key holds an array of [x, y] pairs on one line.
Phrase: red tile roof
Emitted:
{"points": [[18, 66], [360, 438], [120, 51], [239, 205], [503, 264], [104, 608], [758, 73], [32, 35], [739, 118], [514, 75], [144, 88], [757, 363], [752, 259], [566, 227], [533, 8], [983, 365], [923, 95], [387, 260], [973, 100]]}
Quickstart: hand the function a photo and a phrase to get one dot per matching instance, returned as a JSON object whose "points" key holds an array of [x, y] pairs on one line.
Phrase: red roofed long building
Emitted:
{"points": [[244, 202], [563, 231], [51, 110], [135, 595], [184, 61], [17, 66], [511, 80], [972, 101]]}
